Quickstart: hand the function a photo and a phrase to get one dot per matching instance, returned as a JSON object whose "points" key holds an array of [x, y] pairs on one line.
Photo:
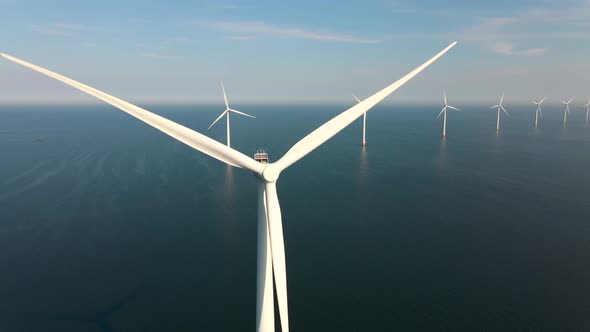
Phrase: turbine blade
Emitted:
{"points": [[495, 106], [455, 108], [356, 98], [505, 111], [445, 96], [219, 118], [502, 98], [189, 137], [224, 96], [542, 100], [334, 126], [534, 102], [569, 101], [563, 102], [277, 245], [441, 112], [242, 113], [540, 112]]}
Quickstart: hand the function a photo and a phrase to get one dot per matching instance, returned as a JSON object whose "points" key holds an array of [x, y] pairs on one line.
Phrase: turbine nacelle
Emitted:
{"points": [[271, 173], [567, 102], [447, 106], [500, 107], [567, 106]]}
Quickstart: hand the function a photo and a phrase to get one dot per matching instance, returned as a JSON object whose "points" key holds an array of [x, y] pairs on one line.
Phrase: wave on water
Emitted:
{"points": [[38, 181]]}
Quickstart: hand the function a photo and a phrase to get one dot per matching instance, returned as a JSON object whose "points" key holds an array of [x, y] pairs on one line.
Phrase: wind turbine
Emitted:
{"points": [[538, 111], [566, 110], [226, 113], [587, 110], [500, 108], [364, 122], [271, 250], [444, 110]]}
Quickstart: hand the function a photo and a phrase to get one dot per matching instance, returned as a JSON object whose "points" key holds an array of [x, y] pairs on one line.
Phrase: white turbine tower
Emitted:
{"points": [[538, 111], [364, 122], [226, 113], [587, 110], [444, 111], [500, 108], [271, 250], [566, 110]]}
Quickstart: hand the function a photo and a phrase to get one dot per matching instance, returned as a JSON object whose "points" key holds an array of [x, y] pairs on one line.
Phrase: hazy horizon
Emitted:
{"points": [[508, 103]]}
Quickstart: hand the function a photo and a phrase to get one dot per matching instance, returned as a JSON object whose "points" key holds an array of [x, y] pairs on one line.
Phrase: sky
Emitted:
{"points": [[296, 51]]}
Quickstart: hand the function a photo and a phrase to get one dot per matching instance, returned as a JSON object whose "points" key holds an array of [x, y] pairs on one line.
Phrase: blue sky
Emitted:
{"points": [[297, 51]]}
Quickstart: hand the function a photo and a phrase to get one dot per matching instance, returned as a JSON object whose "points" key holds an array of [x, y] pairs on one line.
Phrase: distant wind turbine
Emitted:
{"points": [[226, 113], [364, 122], [587, 110], [500, 108], [444, 111], [566, 110], [538, 111], [271, 247]]}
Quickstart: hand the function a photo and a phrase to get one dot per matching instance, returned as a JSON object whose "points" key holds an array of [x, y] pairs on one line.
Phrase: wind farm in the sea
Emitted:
{"points": [[412, 206], [271, 262]]}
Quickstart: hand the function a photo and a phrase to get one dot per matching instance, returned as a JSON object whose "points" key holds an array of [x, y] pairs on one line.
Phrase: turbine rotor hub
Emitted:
{"points": [[271, 173]]}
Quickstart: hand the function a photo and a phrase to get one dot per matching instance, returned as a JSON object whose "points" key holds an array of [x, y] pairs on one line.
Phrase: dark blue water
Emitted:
{"points": [[108, 225]]}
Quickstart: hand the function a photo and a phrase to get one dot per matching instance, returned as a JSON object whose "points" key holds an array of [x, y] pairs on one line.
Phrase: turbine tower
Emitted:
{"points": [[566, 110], [444, 111], [364, 122], [587, 110], [538, 111], [500, 108], [226, 113], [271, 249]]}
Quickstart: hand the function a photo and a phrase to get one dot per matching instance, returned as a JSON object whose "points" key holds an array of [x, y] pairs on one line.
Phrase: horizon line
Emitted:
{"points": [[320, 101]]}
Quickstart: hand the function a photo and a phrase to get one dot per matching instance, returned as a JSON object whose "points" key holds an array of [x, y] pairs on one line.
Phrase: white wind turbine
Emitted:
{"points": [[226, 113], [538, 111], [566, 110], [444, 111], [587, 110], [364, 122], [500, 108], [271, 250]]}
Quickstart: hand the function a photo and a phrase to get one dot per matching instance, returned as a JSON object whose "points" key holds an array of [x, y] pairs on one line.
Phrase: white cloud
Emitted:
{"points": [[241, 37], [508, 49], [259, 28], [161, 49], [230, 7], [507, 34], [161, 56], [57, 29]]}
